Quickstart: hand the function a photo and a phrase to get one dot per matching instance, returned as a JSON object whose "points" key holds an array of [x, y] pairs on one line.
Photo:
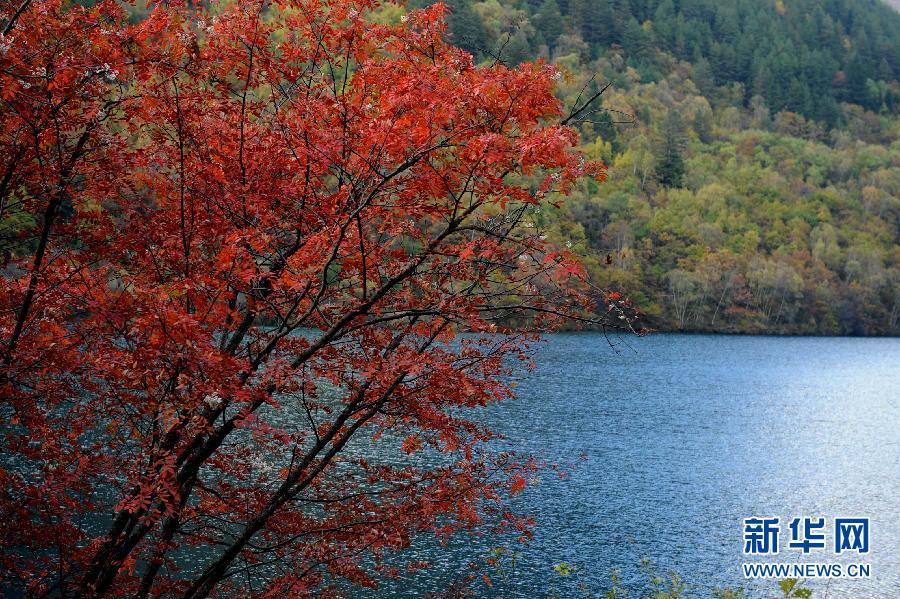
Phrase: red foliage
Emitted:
{"points": [[247, 239]]}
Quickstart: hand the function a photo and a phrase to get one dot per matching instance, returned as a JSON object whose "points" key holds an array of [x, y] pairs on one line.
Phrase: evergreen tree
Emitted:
{"points": [[596, 21], [636, 42], [669, 150], [855, 89], [665, 24], [548, 21], [703, 77], [606, 129], [467, 28]]}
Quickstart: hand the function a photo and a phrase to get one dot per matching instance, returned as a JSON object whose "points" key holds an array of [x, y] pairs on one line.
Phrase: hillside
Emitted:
{"points": [[754, 181]]}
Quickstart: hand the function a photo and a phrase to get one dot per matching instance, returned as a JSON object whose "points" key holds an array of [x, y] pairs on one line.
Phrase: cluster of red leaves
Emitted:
{"points": [[247, 234]]}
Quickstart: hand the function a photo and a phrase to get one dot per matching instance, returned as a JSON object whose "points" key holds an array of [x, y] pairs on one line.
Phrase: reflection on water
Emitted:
{"points": [[684, 436]]}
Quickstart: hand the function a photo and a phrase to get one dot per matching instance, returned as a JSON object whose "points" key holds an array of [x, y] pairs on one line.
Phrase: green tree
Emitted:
{"points": [[467, 28], [548, 21], [669, 151]]}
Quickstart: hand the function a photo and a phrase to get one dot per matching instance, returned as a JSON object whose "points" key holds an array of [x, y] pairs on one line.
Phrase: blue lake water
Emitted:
{"points": [[676, 439]]}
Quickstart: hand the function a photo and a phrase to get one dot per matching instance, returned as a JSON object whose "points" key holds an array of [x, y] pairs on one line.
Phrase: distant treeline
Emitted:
{"points": [[805, 56]]}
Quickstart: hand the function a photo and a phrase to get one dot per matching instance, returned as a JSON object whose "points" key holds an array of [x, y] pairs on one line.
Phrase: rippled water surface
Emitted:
{"points": [[680, 438]]}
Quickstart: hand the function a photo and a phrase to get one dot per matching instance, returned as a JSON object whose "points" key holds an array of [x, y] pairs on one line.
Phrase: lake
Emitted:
{"points": [[676, 439]]}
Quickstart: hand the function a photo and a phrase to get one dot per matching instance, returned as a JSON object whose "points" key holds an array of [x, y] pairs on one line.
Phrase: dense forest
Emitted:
{"points": [[754, 161]]}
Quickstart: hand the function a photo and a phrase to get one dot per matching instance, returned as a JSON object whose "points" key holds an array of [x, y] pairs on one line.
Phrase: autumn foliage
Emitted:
{"points": [[257, 257]]}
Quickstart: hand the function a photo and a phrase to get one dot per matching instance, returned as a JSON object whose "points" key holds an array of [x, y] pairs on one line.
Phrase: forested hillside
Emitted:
{"points": [[754, 161]]}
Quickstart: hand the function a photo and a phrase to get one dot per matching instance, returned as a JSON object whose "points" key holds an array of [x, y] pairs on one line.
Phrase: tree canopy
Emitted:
{"points": [[241, 242]]}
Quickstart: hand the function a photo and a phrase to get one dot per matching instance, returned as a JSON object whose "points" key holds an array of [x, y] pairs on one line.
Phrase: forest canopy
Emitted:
{"points": [[754, 164]]}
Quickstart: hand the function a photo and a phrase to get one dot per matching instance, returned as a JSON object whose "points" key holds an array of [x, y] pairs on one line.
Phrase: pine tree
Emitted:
{"points": [[669, 150], [468, 30], [664, 23], [595, 19], [606, 129], [548, 21], [856, 90]]}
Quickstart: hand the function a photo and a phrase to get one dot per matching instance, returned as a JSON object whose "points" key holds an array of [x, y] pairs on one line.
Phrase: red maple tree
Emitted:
{"points": [[257, 259]]}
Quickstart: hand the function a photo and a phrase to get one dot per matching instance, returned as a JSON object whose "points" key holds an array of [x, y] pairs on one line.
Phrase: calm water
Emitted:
{"points": [[680, 437]]}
